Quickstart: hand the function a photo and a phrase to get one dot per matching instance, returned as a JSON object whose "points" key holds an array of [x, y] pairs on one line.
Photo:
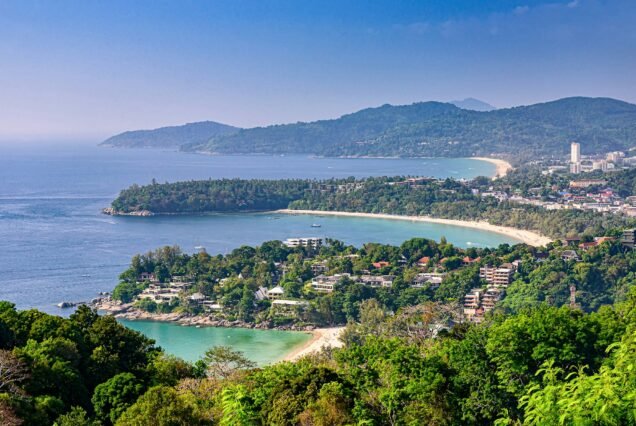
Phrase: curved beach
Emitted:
{"points": [[528, 237], [502, 167], [321, 337]]}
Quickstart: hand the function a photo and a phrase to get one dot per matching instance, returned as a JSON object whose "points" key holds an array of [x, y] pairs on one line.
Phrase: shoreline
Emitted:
{"points": [[502, 167], [321, 337], [529, 237]]}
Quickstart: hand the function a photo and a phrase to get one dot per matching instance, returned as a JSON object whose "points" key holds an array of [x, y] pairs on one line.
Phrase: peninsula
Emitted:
{"points": [[541, 205]]}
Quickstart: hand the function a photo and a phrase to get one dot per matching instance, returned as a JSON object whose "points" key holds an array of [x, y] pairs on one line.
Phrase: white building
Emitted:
{"points": [[303, 242], [276, 293], [326, 284], [575, 153]]}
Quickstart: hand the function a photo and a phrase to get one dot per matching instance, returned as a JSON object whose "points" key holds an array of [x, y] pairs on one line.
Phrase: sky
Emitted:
{"points": [[88, 69]]}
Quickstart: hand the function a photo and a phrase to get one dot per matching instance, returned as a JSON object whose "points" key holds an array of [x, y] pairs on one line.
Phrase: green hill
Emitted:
{"points": [[440, 129], [170, 137]]}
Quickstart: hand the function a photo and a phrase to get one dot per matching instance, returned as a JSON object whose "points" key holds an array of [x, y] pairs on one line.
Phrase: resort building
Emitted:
{"points": [[260, 294], [196, 299], [285, 307], [275, 293], [147, 276], [429, 279], [326, 284], [490, 298], [568, 255], [587, 182], [472, 303], [498, 276], [377, 280], [313, 242], [319, 267], [629, 238]]}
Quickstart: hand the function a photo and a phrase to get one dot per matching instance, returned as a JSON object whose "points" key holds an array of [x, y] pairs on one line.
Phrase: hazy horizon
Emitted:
{"points": [[87, 70]]}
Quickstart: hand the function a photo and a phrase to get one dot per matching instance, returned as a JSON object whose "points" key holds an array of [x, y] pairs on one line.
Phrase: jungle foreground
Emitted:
{"points": [[559, 348]]}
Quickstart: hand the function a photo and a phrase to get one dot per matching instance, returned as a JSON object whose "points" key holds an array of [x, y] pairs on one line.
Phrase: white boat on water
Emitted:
{"points": [[315, 225]]}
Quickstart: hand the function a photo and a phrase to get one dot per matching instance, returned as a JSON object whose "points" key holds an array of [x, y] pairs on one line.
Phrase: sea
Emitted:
{"points": [[56, 245]]}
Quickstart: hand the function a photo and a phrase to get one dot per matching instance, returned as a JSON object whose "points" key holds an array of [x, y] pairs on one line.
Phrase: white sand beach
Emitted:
{"points": [[528, 237], [328, 337], [502, 166]]}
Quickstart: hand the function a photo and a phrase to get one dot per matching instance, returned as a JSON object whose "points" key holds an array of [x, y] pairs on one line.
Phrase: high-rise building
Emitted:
{"points": [[575, 153]]}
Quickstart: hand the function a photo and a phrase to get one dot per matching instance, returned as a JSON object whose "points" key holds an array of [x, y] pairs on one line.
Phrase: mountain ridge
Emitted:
{"points": [[169, 136], [429, 129]]}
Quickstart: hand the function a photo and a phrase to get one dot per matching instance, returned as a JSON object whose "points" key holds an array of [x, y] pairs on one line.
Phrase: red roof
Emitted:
{"points": [[424, 260], [588, 244], [380, 264]]}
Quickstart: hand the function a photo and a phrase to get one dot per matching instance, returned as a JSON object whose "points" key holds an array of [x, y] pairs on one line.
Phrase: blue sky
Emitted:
{"points": [[86, 69]]}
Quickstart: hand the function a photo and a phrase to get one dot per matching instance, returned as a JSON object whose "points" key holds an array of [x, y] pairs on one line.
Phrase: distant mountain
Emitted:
{"points": [[473, 105], [444, 130], [170, 137]]}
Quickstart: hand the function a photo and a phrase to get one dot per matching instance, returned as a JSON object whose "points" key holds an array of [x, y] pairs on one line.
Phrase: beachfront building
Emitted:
{"points": [[313, 242], [196, 299], [260, 294], [288, 308], [159, 294], [275, 293]]}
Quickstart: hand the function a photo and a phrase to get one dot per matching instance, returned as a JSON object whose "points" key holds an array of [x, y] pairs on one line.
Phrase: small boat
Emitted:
{"points": [[315, 225]]}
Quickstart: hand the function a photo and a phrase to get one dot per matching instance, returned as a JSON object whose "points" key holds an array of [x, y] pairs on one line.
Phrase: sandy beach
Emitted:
{"points": [[328, 337], [528, 237], [502, 166]]}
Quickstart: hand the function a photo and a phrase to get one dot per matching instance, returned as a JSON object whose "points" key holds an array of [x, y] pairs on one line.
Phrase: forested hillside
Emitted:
{"points": [[448, 199], [170, 137], [444, 130], [406, 358]]}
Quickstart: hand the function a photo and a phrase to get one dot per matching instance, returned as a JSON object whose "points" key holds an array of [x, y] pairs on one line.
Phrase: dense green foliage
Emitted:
{"points": [[408, 357], [603, 275], [170, 137], [224, 195], [443, 130], [66, 360], [444, 199]]}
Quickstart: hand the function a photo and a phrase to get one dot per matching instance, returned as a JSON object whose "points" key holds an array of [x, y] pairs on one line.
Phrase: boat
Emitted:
{"points": [[315, 225]]}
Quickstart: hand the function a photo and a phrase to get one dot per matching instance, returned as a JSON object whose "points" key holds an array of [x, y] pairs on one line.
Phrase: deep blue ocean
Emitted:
{"points": [[55, 245]]}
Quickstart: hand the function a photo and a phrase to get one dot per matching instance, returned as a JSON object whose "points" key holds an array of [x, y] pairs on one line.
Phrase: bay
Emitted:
{"points": [[190, 343], [55, 245]]}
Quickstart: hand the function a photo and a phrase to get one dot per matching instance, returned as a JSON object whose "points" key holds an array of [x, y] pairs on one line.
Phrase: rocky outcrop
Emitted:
{"points": [[112, 212]]}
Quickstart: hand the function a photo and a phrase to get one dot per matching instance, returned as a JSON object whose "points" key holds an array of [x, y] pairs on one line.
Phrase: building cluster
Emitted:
{"points": [[480, 301], [327, 284], [609, 162], [175, 289]]}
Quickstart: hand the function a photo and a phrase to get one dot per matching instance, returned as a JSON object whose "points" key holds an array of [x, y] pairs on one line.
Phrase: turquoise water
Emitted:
{"points": [[190, 343], [57, 246]]}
